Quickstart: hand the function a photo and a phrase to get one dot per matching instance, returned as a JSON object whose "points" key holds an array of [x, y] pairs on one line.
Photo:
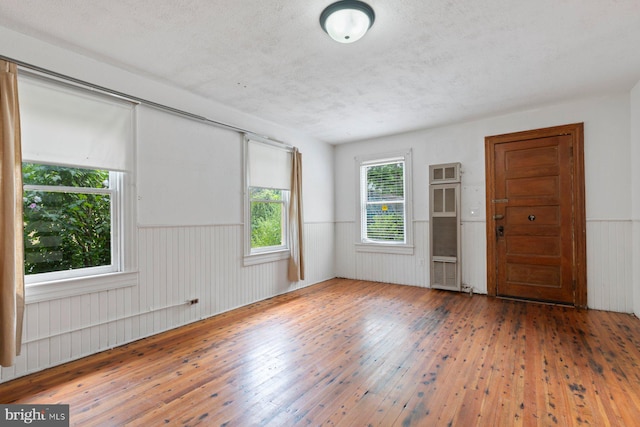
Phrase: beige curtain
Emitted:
{"points": [[296, 260], [11, 249]]}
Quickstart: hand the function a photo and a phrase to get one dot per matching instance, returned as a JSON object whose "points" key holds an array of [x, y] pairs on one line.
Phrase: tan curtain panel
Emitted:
{"points": [[11, 249], [296, 260]]}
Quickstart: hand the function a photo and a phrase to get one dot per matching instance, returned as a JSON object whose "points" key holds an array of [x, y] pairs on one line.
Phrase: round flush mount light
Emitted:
{"points": [[347, 21]]}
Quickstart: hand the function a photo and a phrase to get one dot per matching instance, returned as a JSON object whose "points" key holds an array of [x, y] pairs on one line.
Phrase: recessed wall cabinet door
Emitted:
{"points": [[444, 226]]}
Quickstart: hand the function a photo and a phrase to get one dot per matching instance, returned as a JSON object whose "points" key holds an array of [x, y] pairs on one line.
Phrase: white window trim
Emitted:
{"points": [[268, 254], [63, 288], [115, 214], [122, 272], [362, 245], [49, 286]]}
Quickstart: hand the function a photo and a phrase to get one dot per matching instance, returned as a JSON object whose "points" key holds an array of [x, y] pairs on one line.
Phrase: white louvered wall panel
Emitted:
{"points": [[175, 264]]}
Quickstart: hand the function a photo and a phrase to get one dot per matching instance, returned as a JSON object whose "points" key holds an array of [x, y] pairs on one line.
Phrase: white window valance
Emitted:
{"points": [[70, 126]]}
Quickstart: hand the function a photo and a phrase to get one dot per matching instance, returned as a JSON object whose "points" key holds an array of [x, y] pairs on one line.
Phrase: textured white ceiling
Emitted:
{"points": [[423, 64]]}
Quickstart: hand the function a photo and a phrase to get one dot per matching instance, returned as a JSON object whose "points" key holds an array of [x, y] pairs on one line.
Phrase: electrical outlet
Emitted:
{"points": [[193, 301]]}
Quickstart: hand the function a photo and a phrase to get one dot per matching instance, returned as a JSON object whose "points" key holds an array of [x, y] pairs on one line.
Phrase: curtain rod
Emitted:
{"points": [[138, 100]]}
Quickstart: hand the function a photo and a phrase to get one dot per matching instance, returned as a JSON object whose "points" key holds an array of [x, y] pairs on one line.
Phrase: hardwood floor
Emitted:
{"points": [[350, 352]]}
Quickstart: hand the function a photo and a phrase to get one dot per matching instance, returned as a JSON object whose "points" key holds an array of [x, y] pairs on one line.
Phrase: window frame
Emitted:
{"points": [[123, 271], [284, 201], [364, 244], [270, 253], [114, 217]]}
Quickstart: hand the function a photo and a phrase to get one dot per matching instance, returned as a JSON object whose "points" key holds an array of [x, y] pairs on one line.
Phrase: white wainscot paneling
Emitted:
{"points": [[411, 269], [636, 266], [474, 255], [400, 269], [175, 264], [345, 251], [609, 261], [609, 265], [382, 267]]}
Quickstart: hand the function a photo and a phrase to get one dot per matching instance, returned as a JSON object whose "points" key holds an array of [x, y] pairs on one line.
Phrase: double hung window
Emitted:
{"points": [[268, 218], [268, 178], [77, 165], [68, 219], [385, 203]]}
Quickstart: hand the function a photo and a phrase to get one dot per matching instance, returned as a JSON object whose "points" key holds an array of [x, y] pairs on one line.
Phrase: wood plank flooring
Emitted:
{"points": [[348, 352]]}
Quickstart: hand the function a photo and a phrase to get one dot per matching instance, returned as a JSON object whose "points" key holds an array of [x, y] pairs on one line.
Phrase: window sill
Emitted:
{"points": [[55, 289], [263, 258], [384, 249]]}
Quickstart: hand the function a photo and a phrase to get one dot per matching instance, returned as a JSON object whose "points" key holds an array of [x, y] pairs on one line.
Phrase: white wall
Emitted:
{"points": [[190, 202], [202, 193], [635, 191], [183, 171], [608, 195], [189, 221]]}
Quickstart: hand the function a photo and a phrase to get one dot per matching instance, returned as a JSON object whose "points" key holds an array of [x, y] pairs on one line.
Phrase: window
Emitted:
{"points": [[268, 218], [268, 176], [68, 222], [385, 204], [77, 150]]}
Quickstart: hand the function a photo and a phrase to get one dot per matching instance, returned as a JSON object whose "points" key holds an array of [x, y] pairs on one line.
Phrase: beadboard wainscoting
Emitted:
{"points": [[397, 268], [474, 255], [410, 269], [609, 265], [176, 264], [609, 261]]}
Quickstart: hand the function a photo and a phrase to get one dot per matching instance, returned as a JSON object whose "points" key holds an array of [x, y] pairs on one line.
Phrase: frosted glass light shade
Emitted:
{"points": [[347, 21]]}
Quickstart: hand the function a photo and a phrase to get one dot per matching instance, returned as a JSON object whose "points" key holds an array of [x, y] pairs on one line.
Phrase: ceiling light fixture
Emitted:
{"points": [[347, 21]]}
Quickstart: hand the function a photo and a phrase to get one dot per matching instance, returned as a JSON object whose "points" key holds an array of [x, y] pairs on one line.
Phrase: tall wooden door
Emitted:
{"points": [[535, 215]]}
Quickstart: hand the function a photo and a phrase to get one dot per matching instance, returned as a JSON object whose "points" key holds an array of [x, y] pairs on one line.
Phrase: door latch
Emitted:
{"points": [[500, 231]]}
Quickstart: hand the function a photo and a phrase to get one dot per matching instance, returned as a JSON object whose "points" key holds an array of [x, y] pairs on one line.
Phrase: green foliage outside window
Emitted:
{"points": [[385, 182], [266, 217], [65, 230], [385, 222]]}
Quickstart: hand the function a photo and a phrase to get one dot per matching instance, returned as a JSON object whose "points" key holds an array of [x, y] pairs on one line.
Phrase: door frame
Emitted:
{"points": [[576, 130]]}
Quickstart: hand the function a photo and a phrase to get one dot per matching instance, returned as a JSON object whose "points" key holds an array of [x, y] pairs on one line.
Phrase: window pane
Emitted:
{"points": [[437, 200], [450, 172], [385, 182], [64, 231], [37, 174], [450, 200], [385, 222], [385, 202], [445, 236], [437, 173], [266, 224], [257, 193]]}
